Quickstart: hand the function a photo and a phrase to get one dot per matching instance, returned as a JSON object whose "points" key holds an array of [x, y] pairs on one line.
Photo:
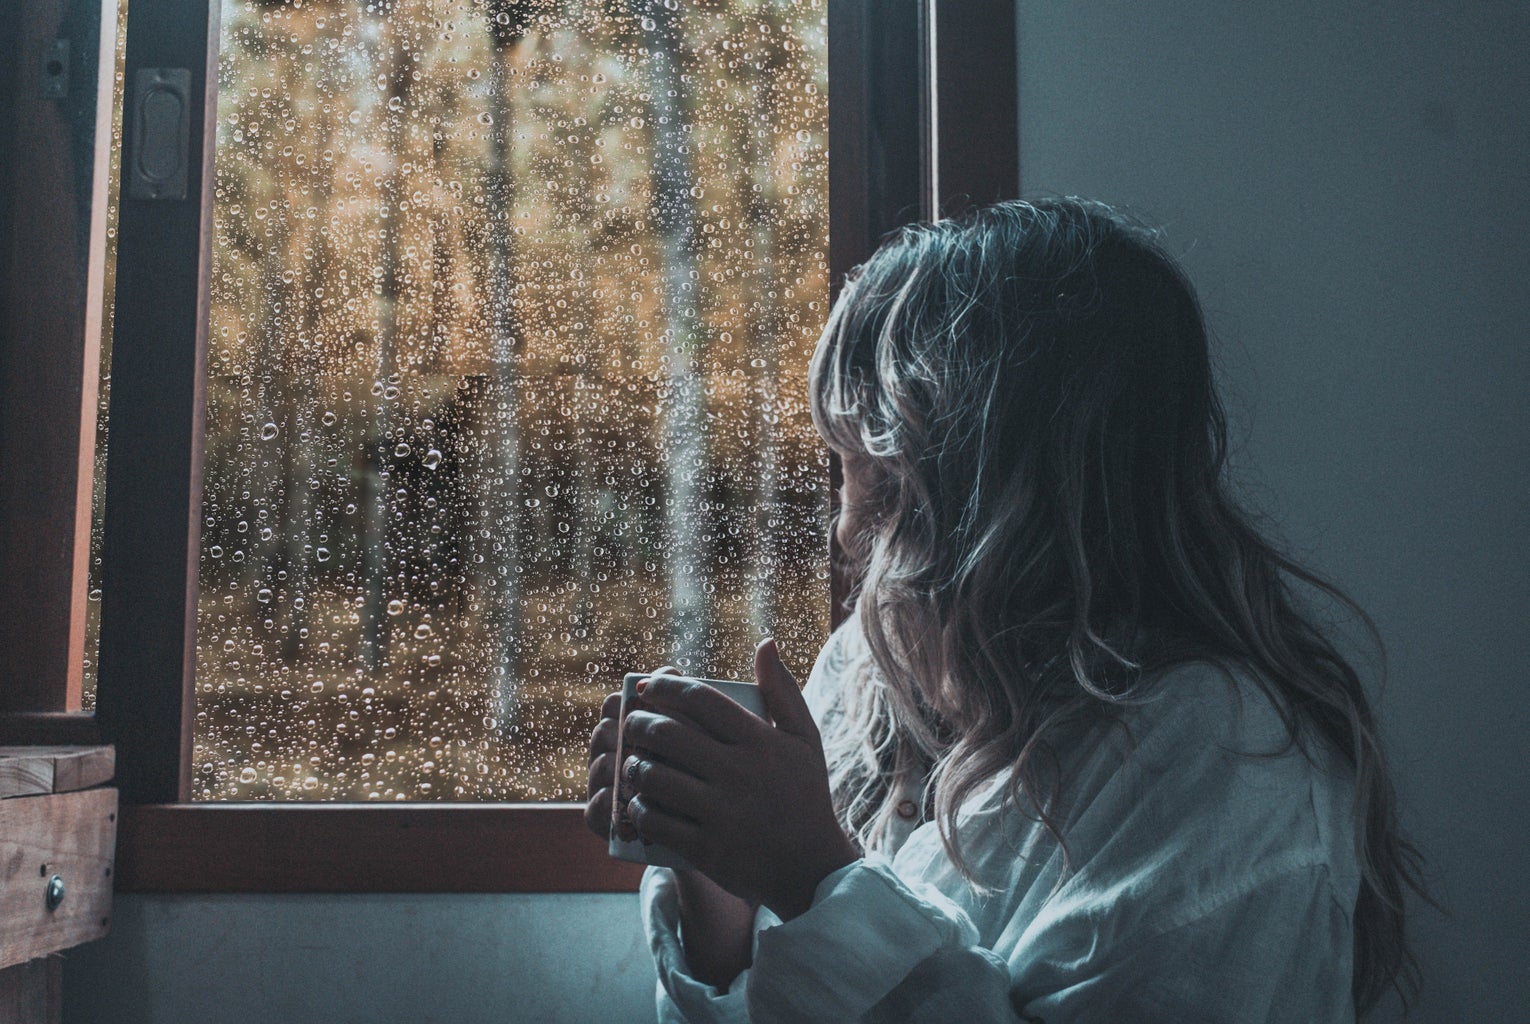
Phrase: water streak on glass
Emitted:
{"points": [[512, 306]]}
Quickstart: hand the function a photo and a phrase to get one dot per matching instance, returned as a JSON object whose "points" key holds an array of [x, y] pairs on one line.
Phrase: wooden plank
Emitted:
{"points": [[29, 770], [153, 509], [878, 133], [33, 992], [365, 848], [83, 767], [22, 775], [849, 99], [66, 834]]}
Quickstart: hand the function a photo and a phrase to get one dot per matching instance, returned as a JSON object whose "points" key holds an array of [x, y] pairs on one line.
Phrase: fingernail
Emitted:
{"points": [[642, 684]]}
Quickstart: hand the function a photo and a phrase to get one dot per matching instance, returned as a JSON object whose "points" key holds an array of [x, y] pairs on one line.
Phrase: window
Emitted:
{"points": [[511, 313], [499, 314]]}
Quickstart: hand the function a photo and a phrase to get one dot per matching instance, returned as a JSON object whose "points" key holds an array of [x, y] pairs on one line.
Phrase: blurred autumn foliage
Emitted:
{"points": [[512, 304]]}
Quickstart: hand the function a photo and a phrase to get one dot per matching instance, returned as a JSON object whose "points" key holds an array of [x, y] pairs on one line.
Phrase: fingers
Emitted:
{"points": [[603, 744], [597, 808], [597, 812], [612, 706], [602, 771], [719, 715], [603, 736], [676, 742], [670, 788], [657, 824]]}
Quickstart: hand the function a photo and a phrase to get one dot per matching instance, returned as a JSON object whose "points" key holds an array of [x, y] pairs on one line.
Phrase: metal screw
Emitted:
{"points": [[55, 892]]}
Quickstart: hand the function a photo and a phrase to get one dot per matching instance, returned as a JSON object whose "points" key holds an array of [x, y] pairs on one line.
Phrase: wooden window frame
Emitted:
{"points": [[923, 120], [56, 71]]}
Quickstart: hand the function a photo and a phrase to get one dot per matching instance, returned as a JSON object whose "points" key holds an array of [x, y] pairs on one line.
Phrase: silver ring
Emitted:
{"points": [[632, 770]]}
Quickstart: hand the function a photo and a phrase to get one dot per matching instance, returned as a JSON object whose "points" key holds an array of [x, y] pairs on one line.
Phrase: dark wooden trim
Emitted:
{"points": [[365, 848], [923, 122], [32, 992], [52, 242], [878, 166], [849, 231], [153, 477], [849, 228], [877, 126], [48, 729], [977, 125]]}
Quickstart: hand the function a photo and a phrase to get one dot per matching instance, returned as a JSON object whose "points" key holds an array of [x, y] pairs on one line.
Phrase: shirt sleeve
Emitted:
{"points": [[876, 948], [870, 948], [680, 997]]}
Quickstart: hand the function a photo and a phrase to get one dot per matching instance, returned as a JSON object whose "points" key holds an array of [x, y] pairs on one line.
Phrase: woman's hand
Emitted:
{"points": [[600, 791], [745, 801], [716, 925], [597, 808]]}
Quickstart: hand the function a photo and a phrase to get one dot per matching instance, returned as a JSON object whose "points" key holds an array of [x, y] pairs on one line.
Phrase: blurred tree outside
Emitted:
{"points": [[512, 309]]}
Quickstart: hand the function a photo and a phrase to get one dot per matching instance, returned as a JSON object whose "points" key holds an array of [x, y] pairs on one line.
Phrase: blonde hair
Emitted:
{"points": [[1027, 398]]}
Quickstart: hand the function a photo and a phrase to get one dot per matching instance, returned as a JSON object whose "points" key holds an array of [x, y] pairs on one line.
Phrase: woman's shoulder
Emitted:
{"points": [[1218, 707], [1212, 698], [841, 655], [1212, 763]]}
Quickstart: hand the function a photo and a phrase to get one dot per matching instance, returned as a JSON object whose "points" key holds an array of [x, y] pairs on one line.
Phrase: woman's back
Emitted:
{"points": [[1173, 834]]}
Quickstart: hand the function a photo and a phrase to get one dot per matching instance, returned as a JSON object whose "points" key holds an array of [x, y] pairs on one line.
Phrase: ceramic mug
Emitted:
{"points": [[625, 843]]}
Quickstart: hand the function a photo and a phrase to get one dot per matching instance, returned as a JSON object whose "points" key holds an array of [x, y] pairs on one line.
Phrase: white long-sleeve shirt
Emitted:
{"points": [[1205, 887]]}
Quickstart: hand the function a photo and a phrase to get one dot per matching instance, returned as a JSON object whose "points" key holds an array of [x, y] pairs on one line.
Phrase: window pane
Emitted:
{"points": [[512, 308]]}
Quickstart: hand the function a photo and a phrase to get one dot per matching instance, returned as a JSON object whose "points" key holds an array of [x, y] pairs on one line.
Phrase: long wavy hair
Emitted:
{"points": [[1025, 399]]}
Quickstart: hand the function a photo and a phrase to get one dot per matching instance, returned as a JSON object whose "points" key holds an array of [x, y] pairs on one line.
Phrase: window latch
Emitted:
{"points": [[158, 133]]}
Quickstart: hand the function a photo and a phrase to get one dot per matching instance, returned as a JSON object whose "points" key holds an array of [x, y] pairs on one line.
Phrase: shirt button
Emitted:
{"points": [[907, 809]]}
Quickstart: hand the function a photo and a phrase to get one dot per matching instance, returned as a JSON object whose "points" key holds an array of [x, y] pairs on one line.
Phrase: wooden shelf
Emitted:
{"points": [[57, 841]]}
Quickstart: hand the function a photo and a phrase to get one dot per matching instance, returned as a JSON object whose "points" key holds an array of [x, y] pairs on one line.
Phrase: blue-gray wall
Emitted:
{"points": [[1346, 184], [526, 959]]}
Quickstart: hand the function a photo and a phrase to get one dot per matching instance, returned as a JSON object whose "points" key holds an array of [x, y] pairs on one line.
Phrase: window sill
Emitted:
{"points": [[357, 848], [48, 729]]}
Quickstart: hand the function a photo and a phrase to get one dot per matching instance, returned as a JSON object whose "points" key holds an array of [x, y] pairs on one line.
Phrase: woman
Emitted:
{"points": [[1080, 753]]}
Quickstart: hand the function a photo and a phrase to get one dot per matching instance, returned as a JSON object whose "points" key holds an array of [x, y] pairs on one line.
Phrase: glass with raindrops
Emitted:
{"points": [[512, 305]]}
